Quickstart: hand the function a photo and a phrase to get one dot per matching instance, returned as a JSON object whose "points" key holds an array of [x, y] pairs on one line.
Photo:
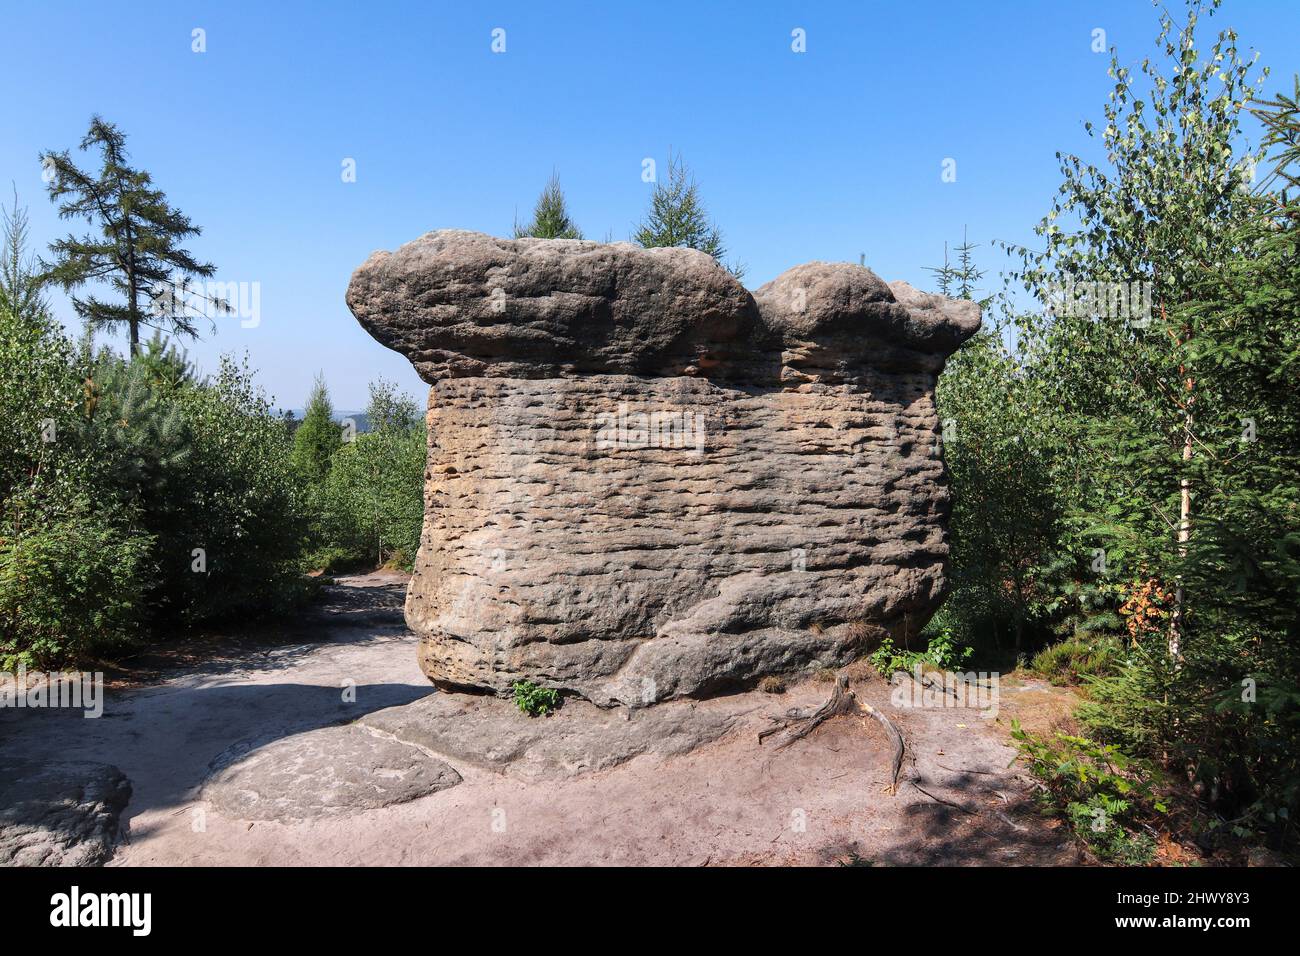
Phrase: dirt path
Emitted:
{"points": [[819, 801]]}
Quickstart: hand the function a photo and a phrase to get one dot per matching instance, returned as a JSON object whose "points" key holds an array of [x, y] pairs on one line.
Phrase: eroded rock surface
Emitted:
{"points": [[64, 813], [492, 734], [646, 482], [321, 773]]}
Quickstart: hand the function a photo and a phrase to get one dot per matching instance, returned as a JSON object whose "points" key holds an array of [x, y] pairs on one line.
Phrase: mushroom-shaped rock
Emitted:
{"points": [[645, 482], [462, 304]]}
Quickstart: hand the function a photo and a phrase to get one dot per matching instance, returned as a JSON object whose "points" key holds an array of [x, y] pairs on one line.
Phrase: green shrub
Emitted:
{"points": [[1228, 716], [1082, 656], [243, 507], [206, 466], [70, 587], [332, 559], [74, 561], [1107, 797], [535, 701], [943, 652], [115, 471], [1096, 823], [888, 658]]}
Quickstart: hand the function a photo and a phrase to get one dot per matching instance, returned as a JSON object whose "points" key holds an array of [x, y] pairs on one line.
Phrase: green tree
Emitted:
{"points": [[1160, 426], [1229, 711], [374, 495], [244, 507], [550, 216], [1006, 518], [137, 252], [677, 216], [958, 280], [318, 437], [20, 281], [389, 409], [1282, 138], [42, 407], [1136, 234], [204, 465], [74, 559], [132, 493], [1129, 463]]}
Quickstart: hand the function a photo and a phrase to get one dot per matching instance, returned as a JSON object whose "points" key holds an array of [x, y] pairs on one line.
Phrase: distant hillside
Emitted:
{"points": [[360, 419]]}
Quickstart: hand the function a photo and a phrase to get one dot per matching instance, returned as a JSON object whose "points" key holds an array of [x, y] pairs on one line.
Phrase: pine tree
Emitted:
{"points": [[945, 276], [550, 217], [139, 428], [959, 279], [967, 274], [138, 253], [677, 217], [318, 437], [1281, 119], [20, 280]]}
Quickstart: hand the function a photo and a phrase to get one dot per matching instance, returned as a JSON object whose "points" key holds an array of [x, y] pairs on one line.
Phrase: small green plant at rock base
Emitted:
{"points": [[888, 659], [535, 701], [1104, 794], [943, 652]]}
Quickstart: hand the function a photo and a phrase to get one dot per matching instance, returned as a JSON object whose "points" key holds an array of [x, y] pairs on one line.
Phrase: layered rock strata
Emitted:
{"points": [[645, 482]]}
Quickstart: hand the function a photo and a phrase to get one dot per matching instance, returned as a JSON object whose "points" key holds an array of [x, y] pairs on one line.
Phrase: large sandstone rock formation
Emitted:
{"points": [[644, 481]]}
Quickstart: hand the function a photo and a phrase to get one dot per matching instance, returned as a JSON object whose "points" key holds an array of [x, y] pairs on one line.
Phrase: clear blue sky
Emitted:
{"points": [[821, 155]]}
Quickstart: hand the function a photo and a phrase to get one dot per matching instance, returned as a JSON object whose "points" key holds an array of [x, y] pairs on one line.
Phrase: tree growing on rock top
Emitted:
{"points": [[138, 250], [677, 217], [958, 281], [550, 216]]}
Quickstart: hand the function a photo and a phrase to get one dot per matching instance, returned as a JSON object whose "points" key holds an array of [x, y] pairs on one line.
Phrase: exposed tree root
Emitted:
{"points": [[946, 803], [986, 773], [842, 701], [895, 736], [940, 686], [943, 687]]}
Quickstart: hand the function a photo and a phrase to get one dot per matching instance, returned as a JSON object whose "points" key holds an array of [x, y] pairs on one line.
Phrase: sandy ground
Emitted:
{"points": [[822, 800]]}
